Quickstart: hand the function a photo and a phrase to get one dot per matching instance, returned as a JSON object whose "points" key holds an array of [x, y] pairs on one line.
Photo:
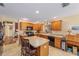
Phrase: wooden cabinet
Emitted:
{"points": [[43, 50], [57, 42], [71, 37], [74, 38], [38, 27], [43, 36], [23, 25], [77, 37], [56, 25]]}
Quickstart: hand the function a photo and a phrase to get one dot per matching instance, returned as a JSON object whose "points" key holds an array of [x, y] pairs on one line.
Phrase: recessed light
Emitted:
{"points": [[37, 11]]}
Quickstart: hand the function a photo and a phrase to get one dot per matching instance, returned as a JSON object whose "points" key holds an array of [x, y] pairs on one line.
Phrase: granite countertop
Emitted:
{"points": [[49, 34], [36, 41]]}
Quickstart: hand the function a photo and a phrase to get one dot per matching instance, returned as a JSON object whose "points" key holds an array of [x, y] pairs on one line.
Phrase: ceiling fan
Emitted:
{"points": [[2, 5], [65, 4]]}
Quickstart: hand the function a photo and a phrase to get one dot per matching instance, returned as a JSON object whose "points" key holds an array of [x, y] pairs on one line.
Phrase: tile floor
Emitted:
{"points": [[14, 50], [11, 50], [58, 52]]}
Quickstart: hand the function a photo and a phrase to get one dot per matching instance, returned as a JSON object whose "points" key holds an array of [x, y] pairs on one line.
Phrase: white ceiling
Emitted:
{"points": [[46, 10]]}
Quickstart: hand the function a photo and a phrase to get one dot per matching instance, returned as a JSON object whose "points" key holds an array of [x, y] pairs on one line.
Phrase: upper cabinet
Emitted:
{"points": [[56, 25], [23, 25], [38, 27]]}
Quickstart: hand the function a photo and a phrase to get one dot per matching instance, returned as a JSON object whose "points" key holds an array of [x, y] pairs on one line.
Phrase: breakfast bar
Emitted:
{"points": [[41, 44], [55, 40]]}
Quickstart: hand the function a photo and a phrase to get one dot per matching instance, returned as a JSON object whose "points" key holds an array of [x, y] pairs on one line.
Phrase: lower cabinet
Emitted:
{"points": [[42, 36], [57, 42], [51, 40], [71, 37], [75, 50], [43, 50], [69, 48]]}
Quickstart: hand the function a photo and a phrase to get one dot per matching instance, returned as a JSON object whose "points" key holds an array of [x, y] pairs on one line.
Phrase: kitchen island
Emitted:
{"points": [[41, 44], [55, 39]]}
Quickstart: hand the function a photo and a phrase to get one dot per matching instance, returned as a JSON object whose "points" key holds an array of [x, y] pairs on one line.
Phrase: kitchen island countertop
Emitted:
{"points": [[55, 35], [36, 41]]}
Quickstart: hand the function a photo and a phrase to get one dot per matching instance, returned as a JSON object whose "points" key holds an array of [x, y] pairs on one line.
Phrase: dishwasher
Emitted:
{"points": [[63, 44], [51, 40], [78, 51]]}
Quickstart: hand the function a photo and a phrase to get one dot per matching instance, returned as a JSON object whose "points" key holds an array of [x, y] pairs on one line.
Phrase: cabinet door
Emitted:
{"points": [[57, 42], [56, 25], [38, 27], [71, 37], [77, 37], [23, 25], [44, 50]]}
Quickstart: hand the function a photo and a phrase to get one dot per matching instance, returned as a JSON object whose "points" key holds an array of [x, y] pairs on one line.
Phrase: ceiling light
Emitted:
{"points": [[37, 11], [54, 17], [25, 19]]}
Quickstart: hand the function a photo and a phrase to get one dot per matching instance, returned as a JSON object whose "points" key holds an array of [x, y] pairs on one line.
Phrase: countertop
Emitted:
{"points": [[55, 35], [36, 41]]}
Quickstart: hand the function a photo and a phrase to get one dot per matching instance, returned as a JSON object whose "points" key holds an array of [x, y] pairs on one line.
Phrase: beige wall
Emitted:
{"points": [[6, 18], [67, 23], [72, 20]]}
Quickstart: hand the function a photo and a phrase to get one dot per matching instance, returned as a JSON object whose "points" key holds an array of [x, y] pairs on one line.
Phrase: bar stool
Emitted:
{"points": [[26, 48]]}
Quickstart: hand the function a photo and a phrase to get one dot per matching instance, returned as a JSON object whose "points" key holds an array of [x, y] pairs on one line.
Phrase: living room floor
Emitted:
{"points": [[15, 50]]}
